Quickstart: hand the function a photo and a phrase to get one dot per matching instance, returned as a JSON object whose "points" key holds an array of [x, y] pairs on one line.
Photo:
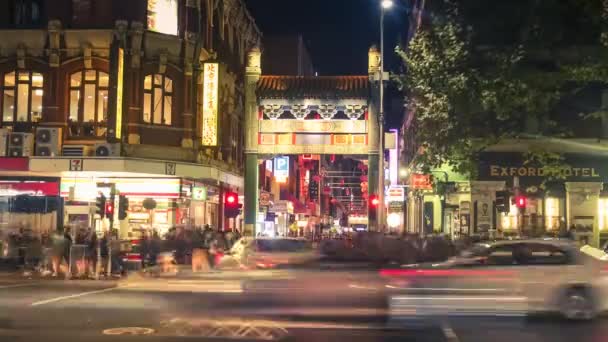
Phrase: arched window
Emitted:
{"points": [[88, 106], [158, 99], [21, 96]]}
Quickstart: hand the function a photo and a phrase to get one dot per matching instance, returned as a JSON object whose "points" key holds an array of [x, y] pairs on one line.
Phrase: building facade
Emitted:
{"points": [[143, 97]]}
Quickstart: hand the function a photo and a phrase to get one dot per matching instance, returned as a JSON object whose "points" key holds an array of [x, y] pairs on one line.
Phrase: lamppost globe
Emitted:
{"points": [[386, 4]]}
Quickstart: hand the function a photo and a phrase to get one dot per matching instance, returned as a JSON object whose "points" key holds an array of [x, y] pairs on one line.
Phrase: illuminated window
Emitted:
{"points": [[21, 96], [158, 99], [88, 96], [162, 16], [552, 213], [603, 213]]}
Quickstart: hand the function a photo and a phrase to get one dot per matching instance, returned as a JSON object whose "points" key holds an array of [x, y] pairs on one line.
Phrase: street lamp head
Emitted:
{"points": [[386, 4]]}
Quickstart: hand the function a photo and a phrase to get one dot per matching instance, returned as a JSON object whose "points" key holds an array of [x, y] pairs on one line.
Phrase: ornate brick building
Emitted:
{"points": [[129, 93]]}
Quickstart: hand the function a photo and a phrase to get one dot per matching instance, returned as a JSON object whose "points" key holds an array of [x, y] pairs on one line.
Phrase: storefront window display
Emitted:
{"points": [[29, 209], [82, 192], [202, 204], [532, 219], [552, 214], [603, 214]]}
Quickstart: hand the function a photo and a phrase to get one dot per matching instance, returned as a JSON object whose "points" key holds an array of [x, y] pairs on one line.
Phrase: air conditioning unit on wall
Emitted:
{"points": [[48, 141], [20, 144], [107, 150]]}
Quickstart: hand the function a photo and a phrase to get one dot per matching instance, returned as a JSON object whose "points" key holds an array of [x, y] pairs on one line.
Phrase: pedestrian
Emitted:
{"points": [[154, 246], [57, 252], [91, 252], [115, 259], [144, 249]]}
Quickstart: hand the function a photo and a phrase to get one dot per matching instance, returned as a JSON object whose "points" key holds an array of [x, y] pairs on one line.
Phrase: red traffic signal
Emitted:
{"points": [[521, 201], [231, 204], [109, 209], [374, 201], [231, 198]]}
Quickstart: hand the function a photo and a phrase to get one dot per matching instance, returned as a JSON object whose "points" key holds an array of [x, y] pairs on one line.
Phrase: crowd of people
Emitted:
{"points": [[78, 252], [185, 243]]}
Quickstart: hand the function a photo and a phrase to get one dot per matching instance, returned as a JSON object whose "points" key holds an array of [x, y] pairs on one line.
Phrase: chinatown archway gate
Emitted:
{"points": [[276, 109]]}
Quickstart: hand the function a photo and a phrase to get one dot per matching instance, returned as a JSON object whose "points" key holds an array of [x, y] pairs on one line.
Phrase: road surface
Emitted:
{"points": [[215, 309]]}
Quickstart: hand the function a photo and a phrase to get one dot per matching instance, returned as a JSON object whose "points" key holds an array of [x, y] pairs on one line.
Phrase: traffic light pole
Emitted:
{"points": [[520, 216], [114, 212]]}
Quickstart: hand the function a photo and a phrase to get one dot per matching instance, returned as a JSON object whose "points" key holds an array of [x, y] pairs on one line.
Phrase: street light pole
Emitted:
{"points": [[385, 4], [443, 199]]}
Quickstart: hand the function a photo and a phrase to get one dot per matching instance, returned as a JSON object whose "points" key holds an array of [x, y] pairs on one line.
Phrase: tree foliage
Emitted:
{"points": [[472, 85]]}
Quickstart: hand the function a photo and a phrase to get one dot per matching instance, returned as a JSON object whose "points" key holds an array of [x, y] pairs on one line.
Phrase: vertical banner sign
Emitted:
{"points": [[210, 104], [281, 169], [119, 89], [115, 96]]}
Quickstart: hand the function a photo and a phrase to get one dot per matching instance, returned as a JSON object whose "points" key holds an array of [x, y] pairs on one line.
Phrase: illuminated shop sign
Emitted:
{"points": [[85, 189], [119, 89], [525, 171], [199, 193], [421, 181], [573, 167], [210, 104], [281, 169], [34, 188], [162, 16]]}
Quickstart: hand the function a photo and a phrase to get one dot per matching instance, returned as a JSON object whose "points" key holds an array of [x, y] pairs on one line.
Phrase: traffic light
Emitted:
{"points": [[231, 204], [372, 207], [100, 206], [123, 207], [109, 209], [521, 201], [502, 201]]}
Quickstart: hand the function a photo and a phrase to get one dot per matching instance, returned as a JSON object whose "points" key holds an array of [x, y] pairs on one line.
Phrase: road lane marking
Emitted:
{"points": [[469, 298], [82, 294], [449, 333], [17, 285]]}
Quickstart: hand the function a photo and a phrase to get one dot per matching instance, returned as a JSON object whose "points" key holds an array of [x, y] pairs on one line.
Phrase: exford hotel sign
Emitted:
{"points": [[526, 171], [576, 167]]}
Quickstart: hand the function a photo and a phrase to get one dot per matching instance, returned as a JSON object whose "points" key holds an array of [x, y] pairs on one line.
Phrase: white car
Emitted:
{"points": [[515, 277], [268, 253]]}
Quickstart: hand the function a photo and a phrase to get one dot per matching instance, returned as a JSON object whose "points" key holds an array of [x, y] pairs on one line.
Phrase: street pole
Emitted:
{"points": [[380, 214], [443, 198], [520, 216]]}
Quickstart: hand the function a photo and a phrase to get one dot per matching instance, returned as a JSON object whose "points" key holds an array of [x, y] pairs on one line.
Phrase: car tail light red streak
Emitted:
{"points": [[445, 273], [133, 257]]}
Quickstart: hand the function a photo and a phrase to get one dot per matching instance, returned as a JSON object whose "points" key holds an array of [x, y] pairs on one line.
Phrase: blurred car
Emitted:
{"points": [[267, 253], [502, 278]]}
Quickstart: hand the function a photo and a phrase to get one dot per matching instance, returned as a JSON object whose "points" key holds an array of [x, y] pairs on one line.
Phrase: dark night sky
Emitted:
{"points": [[338, 32]]}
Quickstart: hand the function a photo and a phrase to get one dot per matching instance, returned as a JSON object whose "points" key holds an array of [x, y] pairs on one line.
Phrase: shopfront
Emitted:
{"points": [[200, 204], [30, 203], [567, 197], [175, 202]]}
